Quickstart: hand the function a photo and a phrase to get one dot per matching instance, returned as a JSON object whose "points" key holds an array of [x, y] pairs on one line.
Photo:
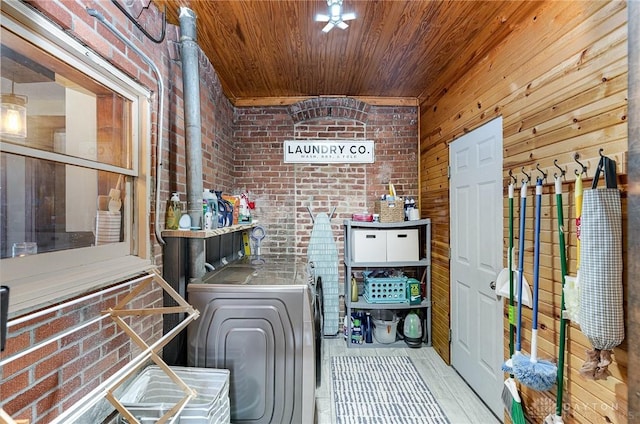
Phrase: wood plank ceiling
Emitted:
{"points": [[273, 52]]}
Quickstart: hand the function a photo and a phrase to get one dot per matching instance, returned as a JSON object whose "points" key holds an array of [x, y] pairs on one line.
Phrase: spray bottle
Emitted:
{"points": [[245, 212]]}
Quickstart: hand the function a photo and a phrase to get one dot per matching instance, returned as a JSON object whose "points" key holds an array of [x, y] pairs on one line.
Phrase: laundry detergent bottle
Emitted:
{"points": [[412, 330]]}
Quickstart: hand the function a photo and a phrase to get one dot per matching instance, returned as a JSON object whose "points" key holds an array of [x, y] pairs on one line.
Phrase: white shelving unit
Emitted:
{"points": [[351, 264]]}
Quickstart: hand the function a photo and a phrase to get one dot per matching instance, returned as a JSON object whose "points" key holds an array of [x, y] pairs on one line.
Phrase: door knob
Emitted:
{"points": [[492, 285]]}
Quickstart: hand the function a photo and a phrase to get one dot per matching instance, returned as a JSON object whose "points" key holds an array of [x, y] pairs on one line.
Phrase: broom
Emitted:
{"points": [[508, 365], [534, 373], [557, 417], [510, 397]]}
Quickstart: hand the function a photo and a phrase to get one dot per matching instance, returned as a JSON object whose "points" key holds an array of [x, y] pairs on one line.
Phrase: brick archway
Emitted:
{"points": [[318, 108]]}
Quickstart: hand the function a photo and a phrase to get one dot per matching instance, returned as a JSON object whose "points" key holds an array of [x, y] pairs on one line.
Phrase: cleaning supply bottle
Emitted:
{"points": [[245, 213], [208, 217], [212, 206], [204, 202], [210, 209], [368, 331], [222, 209], [354, 289], [173, 212], [412, 329], [356, 332]]}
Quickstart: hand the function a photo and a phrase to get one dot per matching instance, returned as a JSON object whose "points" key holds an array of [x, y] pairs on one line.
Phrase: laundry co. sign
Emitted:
{"points": [[328, 151]]}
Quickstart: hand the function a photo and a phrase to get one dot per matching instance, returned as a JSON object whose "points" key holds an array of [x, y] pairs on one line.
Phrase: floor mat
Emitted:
{"points": [[381, 389]]}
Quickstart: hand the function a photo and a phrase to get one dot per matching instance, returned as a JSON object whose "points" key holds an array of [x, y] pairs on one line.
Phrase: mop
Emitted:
{"points": [[510, 397], [532, 372], [508, 365], [557, 418]]}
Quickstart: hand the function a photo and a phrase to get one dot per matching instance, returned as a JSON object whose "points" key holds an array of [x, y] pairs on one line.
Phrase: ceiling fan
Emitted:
{"points": [[335, 16]]}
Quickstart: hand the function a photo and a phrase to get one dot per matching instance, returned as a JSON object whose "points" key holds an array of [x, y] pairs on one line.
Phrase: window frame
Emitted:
{"points": [[75, 271]]}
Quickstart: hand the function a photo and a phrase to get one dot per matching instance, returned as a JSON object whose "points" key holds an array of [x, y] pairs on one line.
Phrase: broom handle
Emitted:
{"points": [[563, 321], [578, 199], [523, 209], [510, 269], [536, 271]]}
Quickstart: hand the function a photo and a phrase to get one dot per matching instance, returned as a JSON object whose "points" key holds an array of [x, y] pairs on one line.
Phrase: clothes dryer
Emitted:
{"points": [[257, 320]]}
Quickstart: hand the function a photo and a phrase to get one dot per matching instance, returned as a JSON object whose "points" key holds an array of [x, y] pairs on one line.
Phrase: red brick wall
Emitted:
{"points": [[39, 386], [217, 132], [42, 384], [284, 191]]}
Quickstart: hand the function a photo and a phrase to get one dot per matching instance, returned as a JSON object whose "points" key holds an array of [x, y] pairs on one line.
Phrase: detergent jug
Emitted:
{"points": [[412, 330]]}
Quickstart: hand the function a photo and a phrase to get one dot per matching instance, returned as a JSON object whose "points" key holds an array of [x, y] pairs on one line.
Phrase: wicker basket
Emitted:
{"points": [[390, 210]]}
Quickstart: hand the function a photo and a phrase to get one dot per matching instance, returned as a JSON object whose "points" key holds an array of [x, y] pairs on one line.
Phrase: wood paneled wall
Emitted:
{"points": [[560, 83], [633, 225]]}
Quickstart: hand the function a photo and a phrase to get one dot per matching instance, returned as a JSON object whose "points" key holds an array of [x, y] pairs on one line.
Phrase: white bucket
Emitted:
{"points": [[384, 331]]}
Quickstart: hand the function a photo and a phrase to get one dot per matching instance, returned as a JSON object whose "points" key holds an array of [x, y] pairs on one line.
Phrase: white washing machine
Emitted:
{"points": [[257, 320]]}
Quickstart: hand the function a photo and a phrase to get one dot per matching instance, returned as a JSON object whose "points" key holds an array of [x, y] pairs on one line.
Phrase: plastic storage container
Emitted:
{"points": [[385, 325], [402, 245], [386, 290], [152, 393], [369, 246]]}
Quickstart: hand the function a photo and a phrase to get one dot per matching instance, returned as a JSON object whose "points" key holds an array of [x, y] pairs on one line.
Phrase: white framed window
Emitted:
{"points": [[74, 136]]}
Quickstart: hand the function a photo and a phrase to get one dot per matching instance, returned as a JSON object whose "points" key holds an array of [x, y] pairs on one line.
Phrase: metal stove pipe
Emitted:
{"points": [[191, 92]]}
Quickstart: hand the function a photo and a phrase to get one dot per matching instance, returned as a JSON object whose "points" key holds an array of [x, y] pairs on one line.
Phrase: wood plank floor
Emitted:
{"points": [[457, 400]]}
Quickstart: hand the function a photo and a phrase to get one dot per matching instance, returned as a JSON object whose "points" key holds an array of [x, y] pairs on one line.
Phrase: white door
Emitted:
{"points": [[476, 258]]}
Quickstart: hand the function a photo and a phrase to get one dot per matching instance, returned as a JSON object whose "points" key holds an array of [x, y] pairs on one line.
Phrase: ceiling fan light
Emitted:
{"points": [[328, 27], [335, 10], [348, 16], [335, 16]]}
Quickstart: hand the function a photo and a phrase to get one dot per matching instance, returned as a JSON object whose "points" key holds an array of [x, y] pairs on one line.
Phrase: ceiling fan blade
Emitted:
{"points": [[342, 25], [322, 18], [328, 27], [348, 16]]}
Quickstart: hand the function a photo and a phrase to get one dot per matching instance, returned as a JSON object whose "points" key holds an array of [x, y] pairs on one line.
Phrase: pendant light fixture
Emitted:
{"points": [[335, 16], [13, 115]]}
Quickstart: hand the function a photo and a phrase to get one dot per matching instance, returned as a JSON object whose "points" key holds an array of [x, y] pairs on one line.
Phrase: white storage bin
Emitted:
{"points": [[402, 245], [153, 393], [369, 246]]}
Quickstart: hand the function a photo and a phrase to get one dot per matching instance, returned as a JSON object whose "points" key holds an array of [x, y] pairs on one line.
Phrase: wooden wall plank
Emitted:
{"points": [[560, 83], [284, 101]]}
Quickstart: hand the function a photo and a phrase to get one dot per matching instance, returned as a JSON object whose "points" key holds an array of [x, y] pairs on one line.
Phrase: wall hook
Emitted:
{"points": [[583, 169], [600, 152], [562, 171], [515, 180], [528, 180], [544, 175]]}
